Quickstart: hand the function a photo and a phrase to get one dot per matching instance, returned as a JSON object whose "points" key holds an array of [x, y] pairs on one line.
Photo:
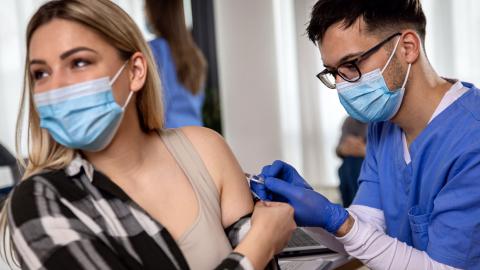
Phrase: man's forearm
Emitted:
{"points": [[377, 250], [346, 227], [368, 214]]}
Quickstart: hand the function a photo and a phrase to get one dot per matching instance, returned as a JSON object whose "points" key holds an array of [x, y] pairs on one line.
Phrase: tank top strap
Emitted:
{"points": [[194, 168]]}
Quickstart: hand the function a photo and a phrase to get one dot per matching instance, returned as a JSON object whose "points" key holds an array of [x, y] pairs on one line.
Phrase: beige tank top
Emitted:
{"points": [[204, 244]]}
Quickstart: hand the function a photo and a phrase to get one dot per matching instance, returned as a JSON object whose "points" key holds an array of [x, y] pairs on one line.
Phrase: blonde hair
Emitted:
{"points": [[116, 27]]}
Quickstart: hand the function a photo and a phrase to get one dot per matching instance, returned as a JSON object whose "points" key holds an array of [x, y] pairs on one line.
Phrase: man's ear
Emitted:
{"points": [[410, 46], [137, 71]]}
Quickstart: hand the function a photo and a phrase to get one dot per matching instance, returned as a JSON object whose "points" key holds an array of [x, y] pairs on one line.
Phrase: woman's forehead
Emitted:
{"points": [[59, 35]]}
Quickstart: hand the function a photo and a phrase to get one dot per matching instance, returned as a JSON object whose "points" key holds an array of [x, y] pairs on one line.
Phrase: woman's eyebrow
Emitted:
{"points": [[37, 61], [75, 50], [63, 55]]}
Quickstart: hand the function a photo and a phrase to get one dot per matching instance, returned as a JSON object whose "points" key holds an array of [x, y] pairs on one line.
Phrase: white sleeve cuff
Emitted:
{"points": [[350, 237], [246, 264]]}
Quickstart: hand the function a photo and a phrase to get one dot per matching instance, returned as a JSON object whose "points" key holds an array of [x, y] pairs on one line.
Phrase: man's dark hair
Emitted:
{"points": [[378, 15]]}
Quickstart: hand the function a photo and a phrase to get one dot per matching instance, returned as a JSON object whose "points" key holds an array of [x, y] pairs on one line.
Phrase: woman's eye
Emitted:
{"points": [[80, 63], [39, 74]]}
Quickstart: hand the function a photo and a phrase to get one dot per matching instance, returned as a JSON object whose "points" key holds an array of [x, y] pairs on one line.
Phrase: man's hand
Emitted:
{"points": [[281, 170], [312, 209], [283, 183]]}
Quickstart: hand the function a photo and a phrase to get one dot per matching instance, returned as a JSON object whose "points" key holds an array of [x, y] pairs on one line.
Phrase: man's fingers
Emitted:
{"points": [[275, 170], [278, 169], [259, 190], [266, 171], [280, 187]]}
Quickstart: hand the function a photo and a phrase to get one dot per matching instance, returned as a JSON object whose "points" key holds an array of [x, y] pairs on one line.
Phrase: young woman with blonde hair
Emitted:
{"points": [[106, 186]]}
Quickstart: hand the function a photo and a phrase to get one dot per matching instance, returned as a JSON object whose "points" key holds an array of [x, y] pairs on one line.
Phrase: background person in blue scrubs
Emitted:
{"points": [[181, 64], [418, 203], [351, 149]]}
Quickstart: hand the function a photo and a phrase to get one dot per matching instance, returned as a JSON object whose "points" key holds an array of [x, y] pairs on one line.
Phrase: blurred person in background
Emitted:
{"points": [[351, 149], [181, 64]]}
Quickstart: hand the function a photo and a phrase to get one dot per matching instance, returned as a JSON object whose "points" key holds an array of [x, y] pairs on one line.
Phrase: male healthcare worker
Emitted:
{"points": [[418, 203]]}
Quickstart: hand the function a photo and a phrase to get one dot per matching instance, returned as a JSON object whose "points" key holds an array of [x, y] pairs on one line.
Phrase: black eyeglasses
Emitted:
{"points": [[349, 70]]}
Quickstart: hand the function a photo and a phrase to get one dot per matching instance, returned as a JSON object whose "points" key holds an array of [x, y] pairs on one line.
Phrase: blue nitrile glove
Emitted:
{"points": [[281, 170], [286, 172], [261, 192], [312, 209]]}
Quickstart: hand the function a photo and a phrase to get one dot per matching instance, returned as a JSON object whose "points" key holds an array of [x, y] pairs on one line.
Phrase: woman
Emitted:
{"points": [[106, 187], [181, 65]]}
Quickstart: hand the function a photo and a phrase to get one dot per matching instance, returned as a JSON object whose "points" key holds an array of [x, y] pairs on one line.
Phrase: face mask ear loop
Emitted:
{"points": [[406, 76], [128, 100], [118, 73], [391, 55]]}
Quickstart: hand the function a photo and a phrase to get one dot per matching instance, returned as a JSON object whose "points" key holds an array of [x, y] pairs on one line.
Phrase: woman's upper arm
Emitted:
{"points": [[235, 197]]}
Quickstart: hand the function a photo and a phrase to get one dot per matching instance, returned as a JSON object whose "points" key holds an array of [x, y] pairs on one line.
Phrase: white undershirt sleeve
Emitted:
{"points": [[377, 250], [368, 242], [370, 215]]}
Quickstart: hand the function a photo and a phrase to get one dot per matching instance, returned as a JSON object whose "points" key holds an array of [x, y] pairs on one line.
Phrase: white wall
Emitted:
{"points": [[453, 35], [248, 60]]}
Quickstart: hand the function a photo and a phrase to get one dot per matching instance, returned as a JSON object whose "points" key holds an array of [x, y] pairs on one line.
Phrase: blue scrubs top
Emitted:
{"points": [[433, 203], [182, 108]]}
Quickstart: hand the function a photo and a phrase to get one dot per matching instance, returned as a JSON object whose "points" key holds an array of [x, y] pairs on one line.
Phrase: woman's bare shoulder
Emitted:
{"points": [[200, 136], [225, 170], [211, 147]]}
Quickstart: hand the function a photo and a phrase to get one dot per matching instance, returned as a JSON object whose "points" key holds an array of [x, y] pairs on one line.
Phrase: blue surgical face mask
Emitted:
{"points": [[369, 99], [82, 116]]}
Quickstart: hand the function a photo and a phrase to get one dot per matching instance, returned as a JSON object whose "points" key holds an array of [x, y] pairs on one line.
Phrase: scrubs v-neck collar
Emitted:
{"points": [[455, 92]]}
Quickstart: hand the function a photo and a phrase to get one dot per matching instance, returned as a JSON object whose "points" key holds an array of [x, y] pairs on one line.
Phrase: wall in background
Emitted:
{"points": [[249, 80]]}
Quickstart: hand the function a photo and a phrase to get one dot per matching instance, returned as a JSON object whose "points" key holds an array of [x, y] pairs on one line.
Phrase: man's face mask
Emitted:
{"points": [[369, 99]]}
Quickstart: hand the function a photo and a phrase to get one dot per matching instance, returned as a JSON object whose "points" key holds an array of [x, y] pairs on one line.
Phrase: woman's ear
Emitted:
{"points": [[138, 71], [411, 46]]}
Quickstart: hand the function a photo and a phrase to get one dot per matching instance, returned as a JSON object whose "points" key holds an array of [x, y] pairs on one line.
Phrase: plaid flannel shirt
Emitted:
{"points": [[77, 218]]}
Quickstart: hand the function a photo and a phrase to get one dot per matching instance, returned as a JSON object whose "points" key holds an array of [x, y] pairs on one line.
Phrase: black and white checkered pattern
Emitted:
{"points": [[9, 173], [77, 218]]}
